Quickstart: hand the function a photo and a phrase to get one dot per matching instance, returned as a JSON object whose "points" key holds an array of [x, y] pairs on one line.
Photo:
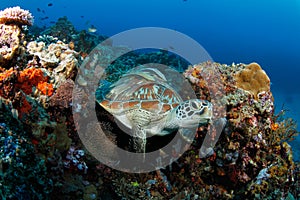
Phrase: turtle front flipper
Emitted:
{"points": [[139, 119], [187, 134], [139, 139]]}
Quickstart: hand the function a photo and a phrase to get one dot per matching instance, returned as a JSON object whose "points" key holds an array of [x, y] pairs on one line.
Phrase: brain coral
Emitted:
{"points": [[16, 15], [253, 79]]}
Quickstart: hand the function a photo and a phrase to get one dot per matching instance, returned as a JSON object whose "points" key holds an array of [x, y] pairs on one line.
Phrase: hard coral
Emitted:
{"points": [[63, 95], [16, 15], [253, 79], [9, 42], [63, 29], [55, 55], [47, 56]]}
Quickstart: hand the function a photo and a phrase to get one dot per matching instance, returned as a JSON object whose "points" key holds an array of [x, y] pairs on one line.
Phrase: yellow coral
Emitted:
{"points": [[253, 79]]}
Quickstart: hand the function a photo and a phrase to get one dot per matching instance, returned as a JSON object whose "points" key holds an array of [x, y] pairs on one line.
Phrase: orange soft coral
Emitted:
{"points": [[6, 74], [34, 77], [27, 79], [45, 88]]}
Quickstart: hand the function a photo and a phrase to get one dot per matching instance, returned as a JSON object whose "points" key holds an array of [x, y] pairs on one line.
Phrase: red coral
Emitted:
{"points": [[25, 106]]}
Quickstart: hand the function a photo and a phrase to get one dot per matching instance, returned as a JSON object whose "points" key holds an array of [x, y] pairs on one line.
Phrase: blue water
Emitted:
{"points": [[262, 31]]}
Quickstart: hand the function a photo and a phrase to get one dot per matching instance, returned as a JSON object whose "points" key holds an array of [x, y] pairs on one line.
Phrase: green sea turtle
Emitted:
{"points": [[144, 102]]}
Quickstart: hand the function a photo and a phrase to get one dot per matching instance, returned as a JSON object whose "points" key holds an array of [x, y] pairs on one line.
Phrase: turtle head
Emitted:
{"points": [[193, 112]]}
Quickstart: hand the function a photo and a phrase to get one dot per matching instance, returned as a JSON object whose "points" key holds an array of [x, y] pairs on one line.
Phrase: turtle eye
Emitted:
{"points": [[194, 105]]}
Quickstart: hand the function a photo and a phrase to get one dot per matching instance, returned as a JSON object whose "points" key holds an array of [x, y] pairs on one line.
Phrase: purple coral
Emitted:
{"points": [[16, 15], [74, 160]]}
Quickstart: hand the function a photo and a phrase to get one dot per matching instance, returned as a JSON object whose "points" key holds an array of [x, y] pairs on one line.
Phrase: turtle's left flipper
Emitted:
{"points": [[139, 140]]}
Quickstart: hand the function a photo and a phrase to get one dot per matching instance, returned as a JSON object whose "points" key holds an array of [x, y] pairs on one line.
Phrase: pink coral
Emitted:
{"points": [[16, 15]]}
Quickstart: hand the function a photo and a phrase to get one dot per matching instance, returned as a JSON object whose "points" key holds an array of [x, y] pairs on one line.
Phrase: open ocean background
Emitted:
{"points": [[262, 31]]}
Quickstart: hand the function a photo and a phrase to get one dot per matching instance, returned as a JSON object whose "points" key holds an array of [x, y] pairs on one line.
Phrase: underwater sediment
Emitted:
{"points": [[42, 156]]}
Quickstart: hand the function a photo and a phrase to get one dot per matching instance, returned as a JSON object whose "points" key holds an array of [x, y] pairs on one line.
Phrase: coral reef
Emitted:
{"points": [[47, 39], [23, 174], [63, 29], [42, 157], [136, 58], [250, 160]]}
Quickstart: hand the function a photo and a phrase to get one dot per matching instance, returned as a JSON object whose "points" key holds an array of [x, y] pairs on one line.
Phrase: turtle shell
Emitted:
{"points": [[144, 88]]}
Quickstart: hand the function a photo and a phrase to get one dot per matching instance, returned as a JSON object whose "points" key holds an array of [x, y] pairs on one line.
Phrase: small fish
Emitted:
{"points": [[92, 29], [38, 9], [82, 16], [50, 4], [43, 11], [44, 18], [52, 22], [163, 49]]}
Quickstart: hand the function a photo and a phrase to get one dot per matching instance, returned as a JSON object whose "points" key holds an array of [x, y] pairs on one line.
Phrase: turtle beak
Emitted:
{"points": [[206, 113]]}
